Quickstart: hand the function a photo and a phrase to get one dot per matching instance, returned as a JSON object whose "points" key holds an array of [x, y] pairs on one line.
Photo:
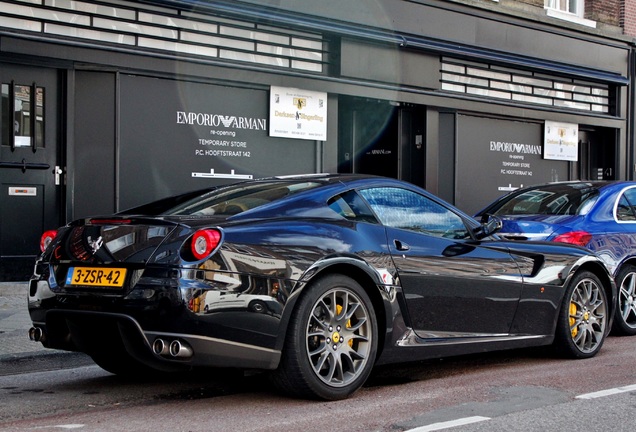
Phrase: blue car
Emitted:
{"points": [[598, 215]]}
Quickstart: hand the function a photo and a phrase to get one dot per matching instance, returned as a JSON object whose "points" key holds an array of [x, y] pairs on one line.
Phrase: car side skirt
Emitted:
{"points": [[412, 347]]}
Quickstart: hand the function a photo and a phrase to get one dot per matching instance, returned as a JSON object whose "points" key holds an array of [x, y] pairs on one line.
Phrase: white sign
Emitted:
{"points": [[22, 191], [295, 113], [561, 141]]}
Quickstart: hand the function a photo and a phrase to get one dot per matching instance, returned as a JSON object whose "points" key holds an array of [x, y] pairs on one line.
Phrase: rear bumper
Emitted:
{"points": [[96, 324]]}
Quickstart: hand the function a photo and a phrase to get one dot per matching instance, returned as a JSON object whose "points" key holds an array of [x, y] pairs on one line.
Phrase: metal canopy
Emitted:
{"points": [[405, 41]]}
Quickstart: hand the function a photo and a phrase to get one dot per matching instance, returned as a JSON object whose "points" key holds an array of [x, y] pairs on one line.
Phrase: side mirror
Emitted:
{"points": [[490, 224]]}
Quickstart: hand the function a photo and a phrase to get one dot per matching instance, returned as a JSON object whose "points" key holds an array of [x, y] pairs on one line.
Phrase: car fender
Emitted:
{"points": [[598, 267], [380, 283]]}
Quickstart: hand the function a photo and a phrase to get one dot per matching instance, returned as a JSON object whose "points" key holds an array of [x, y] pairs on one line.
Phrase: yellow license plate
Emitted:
{"points": [[95, 276]]}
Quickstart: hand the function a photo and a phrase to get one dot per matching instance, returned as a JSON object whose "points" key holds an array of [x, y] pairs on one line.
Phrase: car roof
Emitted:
{"points": [[576, 184]]}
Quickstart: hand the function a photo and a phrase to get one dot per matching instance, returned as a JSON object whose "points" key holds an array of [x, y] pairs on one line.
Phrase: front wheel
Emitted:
{"points": [[331, 343], [625, 317], [582, 323]]}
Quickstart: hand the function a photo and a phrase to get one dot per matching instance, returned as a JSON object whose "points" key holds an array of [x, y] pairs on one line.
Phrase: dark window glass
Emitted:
{"points": [[350, 206], [625, 210], [224, 201], [557, 200]]}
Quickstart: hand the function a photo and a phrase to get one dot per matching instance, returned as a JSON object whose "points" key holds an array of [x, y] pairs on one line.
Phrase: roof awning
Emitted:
{"points": [[276, 17]]}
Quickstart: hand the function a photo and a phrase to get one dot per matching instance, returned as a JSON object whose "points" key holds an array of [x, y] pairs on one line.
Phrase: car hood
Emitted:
{"points": [[535, 227]]}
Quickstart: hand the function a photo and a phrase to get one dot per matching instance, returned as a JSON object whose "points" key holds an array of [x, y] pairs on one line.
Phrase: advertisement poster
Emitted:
{"points": [[561, 141], [296, 113], [179, 136], [510, 155]]}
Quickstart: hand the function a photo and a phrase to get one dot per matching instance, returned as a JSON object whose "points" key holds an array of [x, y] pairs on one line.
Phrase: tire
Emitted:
{"points": [[625, 316], [582, 323], [331, 341]]}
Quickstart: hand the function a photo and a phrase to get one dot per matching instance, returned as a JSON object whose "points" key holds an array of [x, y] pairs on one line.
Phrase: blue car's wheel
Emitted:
{"points": [[625, 317]]}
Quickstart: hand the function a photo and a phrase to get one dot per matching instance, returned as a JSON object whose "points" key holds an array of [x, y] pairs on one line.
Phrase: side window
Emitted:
{"points": [[401, 208], [625, 210], [350, 206]]}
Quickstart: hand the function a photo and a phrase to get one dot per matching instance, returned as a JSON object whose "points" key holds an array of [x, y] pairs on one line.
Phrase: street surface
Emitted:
{"points": [[523, 390]]}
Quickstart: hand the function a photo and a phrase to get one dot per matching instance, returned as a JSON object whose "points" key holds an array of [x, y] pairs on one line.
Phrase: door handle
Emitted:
{"points": [[401, 246], [57, 171]]}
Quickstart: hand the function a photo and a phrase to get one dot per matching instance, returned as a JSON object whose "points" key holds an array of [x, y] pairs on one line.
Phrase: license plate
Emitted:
{"points": [[95, 276]]}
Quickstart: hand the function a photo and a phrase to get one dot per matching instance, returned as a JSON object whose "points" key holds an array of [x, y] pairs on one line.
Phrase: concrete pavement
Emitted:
{"points": [[19, 354], [15, 322]]}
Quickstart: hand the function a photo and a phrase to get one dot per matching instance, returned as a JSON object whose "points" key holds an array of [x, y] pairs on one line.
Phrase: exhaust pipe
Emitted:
{"points": [[160, 347], [178, 349], [36, 334]]}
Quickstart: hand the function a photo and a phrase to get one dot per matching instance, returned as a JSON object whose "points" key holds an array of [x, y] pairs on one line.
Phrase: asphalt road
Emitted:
{"points": [[524, 390]]}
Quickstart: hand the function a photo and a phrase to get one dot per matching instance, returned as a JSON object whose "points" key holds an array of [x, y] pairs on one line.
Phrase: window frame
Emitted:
{"points": [[632, 202], [553, 9]]}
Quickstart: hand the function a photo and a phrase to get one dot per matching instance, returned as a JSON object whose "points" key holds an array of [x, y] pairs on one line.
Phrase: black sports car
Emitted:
{"points": [[316, 278]]}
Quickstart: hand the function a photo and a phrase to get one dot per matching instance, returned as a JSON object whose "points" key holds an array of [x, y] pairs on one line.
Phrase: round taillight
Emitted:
{"points": [[204, 242], [46, 239]]}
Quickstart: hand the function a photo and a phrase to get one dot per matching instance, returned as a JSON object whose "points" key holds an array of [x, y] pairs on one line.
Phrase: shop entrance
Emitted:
{"points": [[382, 138], [597, 154], [30, 173]]}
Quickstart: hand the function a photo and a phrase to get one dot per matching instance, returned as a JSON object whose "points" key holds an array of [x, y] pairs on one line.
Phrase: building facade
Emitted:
{"points": [[108, 105]]}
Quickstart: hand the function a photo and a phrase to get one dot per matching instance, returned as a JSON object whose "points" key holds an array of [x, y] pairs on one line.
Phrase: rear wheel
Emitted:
{"points": [[582, 323], [331, 343], [625, 317]]}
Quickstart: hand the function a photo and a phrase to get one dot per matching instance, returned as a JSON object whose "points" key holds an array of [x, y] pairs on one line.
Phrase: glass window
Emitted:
{"points": [[5, 120], [22, 115], [225, 201], [350, 206], [404, 209], [551, 200], [574, 7], [625, 210]]}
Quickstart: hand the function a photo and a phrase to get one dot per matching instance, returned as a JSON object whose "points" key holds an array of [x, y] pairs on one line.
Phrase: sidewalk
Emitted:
{"points": [[15, 321], [19, 354]]}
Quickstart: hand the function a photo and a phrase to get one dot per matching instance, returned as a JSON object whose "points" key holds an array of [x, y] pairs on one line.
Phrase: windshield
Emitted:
{"points": [[551, 200], [225, 201]]}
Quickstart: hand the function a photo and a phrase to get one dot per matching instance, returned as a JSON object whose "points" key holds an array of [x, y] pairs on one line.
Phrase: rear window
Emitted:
{"points": [[557, 200], [224, 201]]}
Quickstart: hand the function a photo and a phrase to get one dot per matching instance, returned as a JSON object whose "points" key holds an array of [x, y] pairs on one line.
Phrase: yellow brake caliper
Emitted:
{"points": [[347, 325], [573, 310]]}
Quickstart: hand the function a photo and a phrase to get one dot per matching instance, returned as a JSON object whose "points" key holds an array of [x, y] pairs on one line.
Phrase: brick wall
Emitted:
{"points": [[628, 17], [604, 11]]}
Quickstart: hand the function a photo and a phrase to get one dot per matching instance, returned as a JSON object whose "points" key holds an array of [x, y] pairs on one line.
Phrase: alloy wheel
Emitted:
{"points": [[338, 337], [588, 315], [627, 300]]}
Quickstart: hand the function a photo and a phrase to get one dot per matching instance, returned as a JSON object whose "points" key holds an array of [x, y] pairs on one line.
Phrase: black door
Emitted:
{"points": [[412, 160], [30, 176], [454, 287], [597, 154]]}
